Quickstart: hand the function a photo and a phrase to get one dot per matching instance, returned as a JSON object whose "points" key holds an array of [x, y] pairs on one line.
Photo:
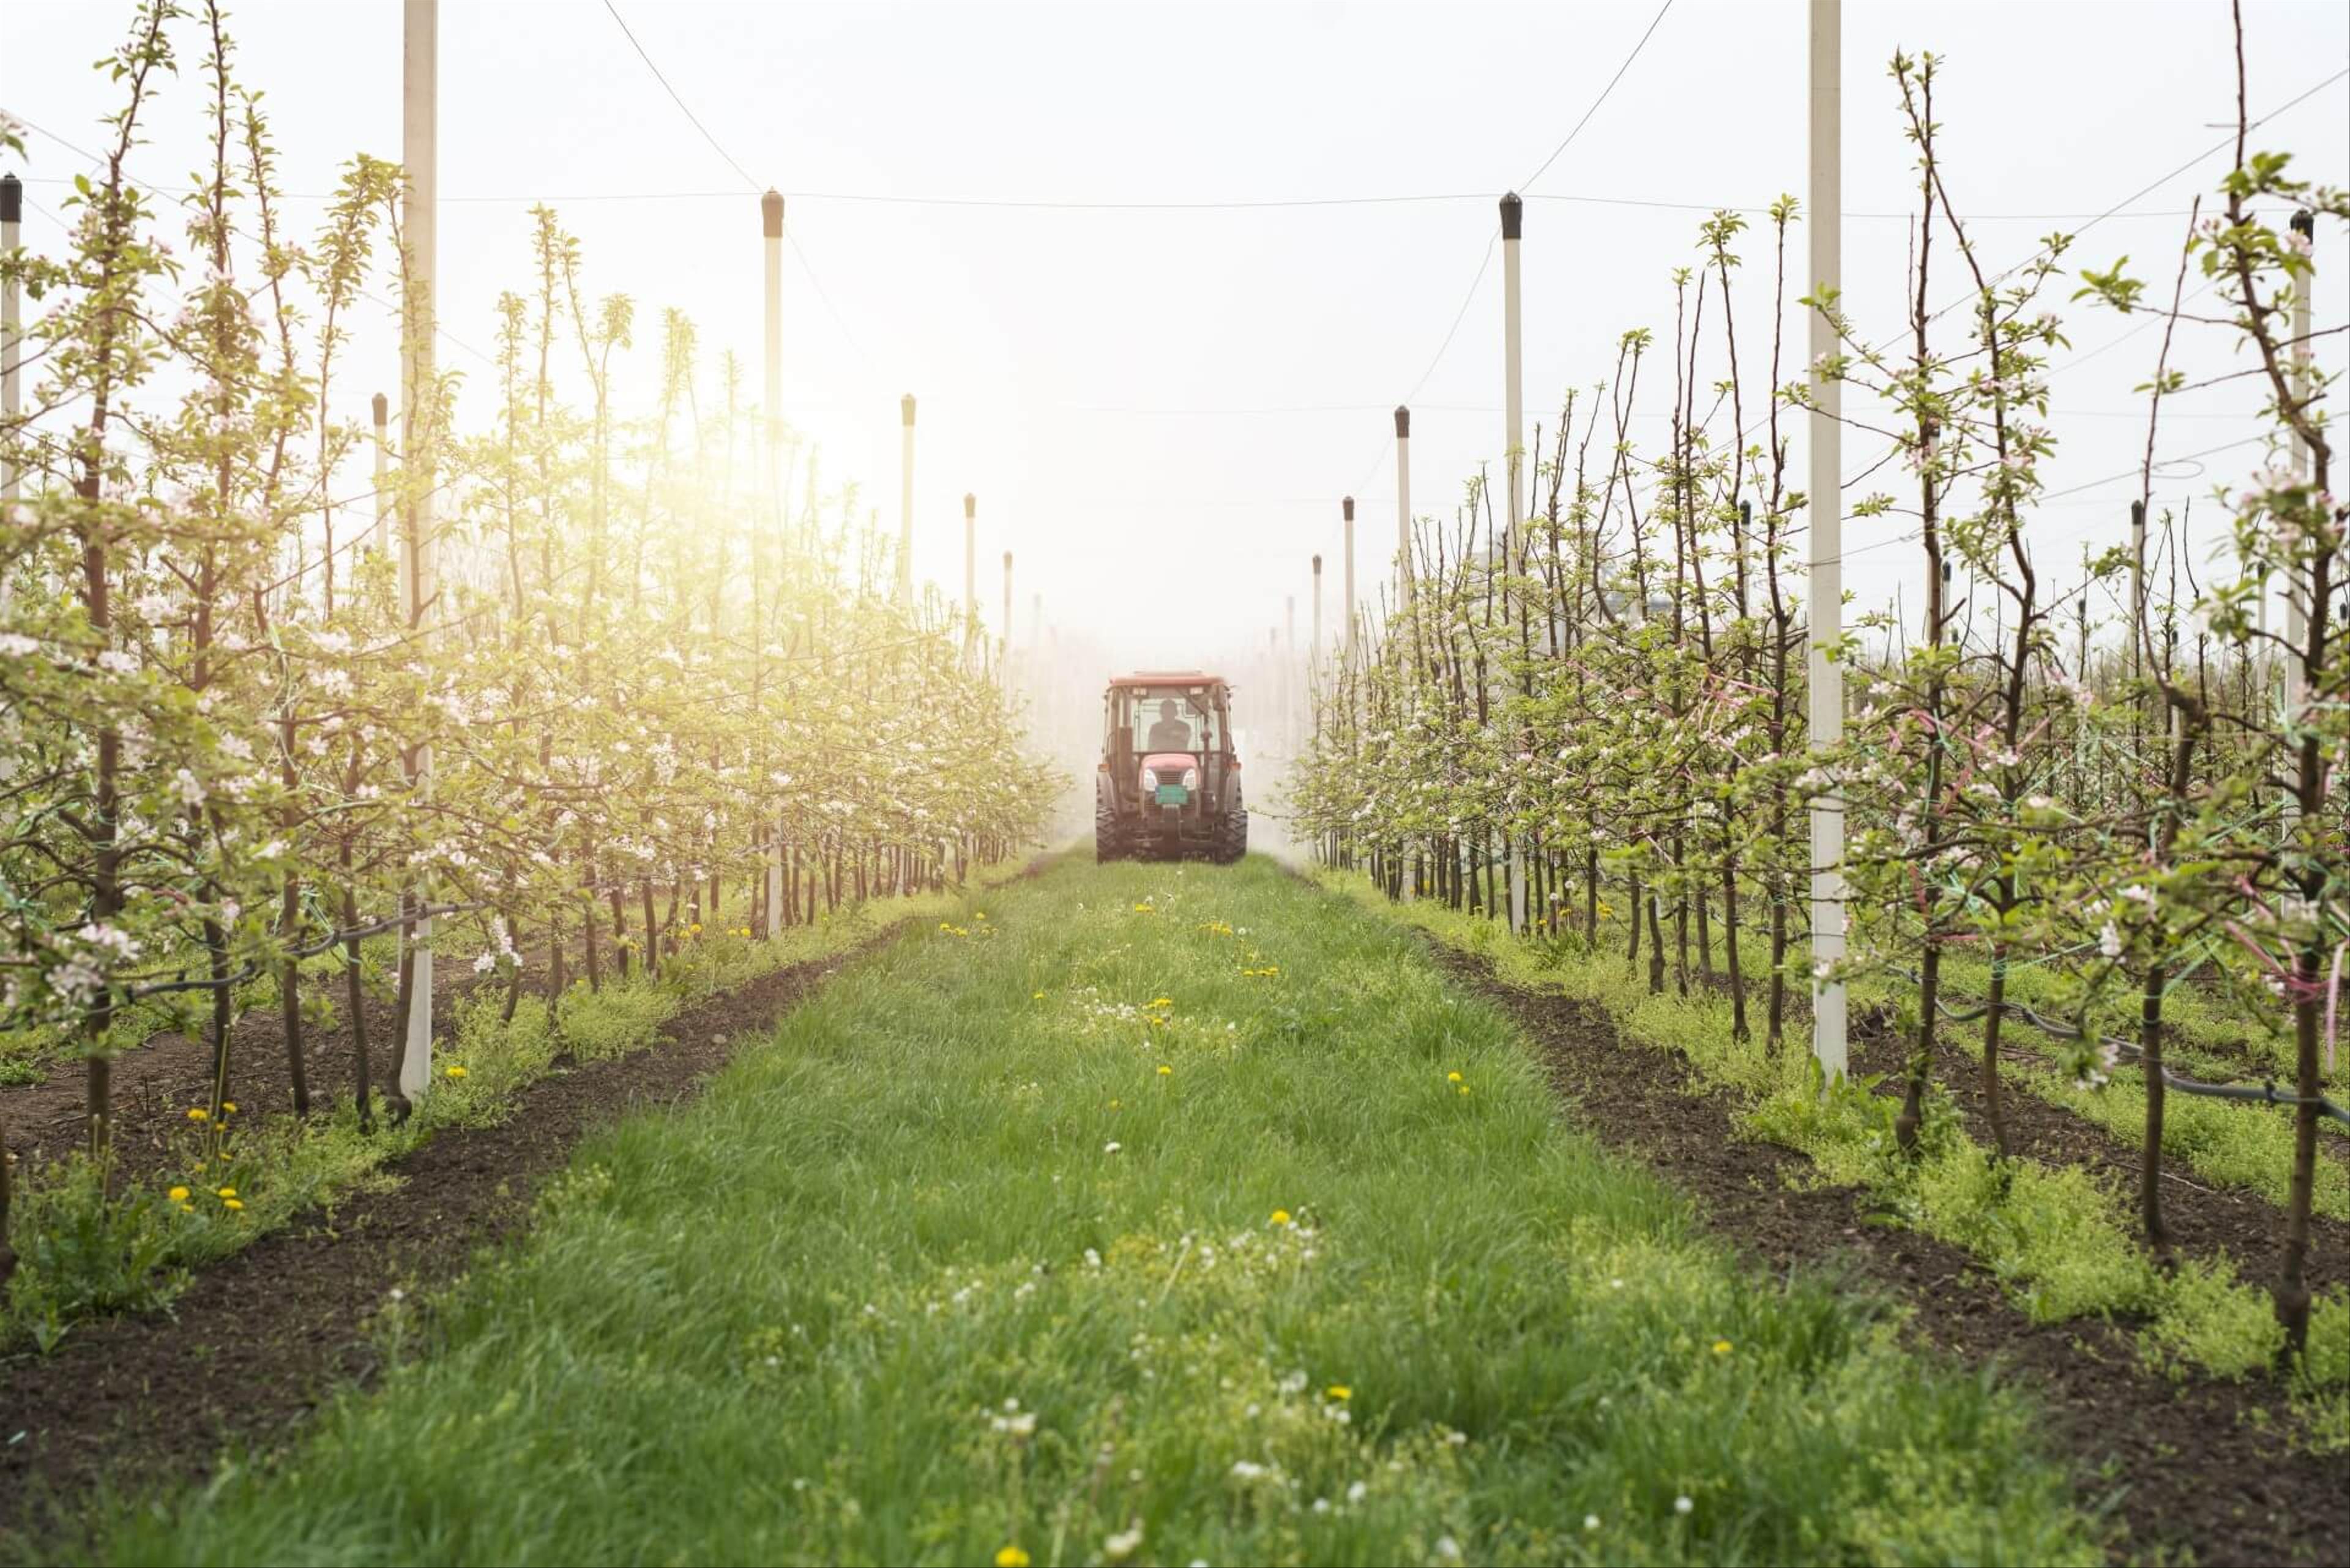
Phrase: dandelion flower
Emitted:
{"points": [[1165, 1071], [1590, 1521], [1721, 1348], [178, 1195], [1280, 1217], [227, 1192], [1683, 1505], [1339, 1391], [1012, 1557], [232, 1204], [1037, 996], [229, 1107], [198, 1114], [456, 1071], [1451, 1077]]}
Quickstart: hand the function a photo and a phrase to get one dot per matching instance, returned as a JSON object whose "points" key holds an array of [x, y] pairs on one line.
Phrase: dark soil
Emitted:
{"points": [[155, 1084], [258, 1340], [2183, 1465]]}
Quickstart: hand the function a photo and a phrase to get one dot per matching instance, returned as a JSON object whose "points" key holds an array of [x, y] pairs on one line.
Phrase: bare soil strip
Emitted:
{"points": [[259, 1339], [2189, 1470]]}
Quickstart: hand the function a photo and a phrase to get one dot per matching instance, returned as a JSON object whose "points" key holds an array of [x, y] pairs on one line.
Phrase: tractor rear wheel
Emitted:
{"points": [[1231, 838], [1105, 835]]}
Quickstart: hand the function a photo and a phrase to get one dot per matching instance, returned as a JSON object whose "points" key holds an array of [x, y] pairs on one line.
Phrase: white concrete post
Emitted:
{"points": [[379, 539], [771, 231], [1825, 605], [770, 222], [1514, 436], [420, 160], [970, 574], [11, 219], [1347, 508], [1403, 507], [1314, 658], [2297, 608], [906, 500], [1004, 637]]}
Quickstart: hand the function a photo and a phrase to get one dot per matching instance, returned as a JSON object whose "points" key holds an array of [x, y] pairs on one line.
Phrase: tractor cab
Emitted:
{"points": [[1169, 784]]}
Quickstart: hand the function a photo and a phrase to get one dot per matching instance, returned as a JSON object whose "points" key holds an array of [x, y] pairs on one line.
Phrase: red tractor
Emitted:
{"points": [[1169, 783]]}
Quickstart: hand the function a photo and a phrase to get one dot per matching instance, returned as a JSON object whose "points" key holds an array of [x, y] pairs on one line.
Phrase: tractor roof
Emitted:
{"points": [[1168, 677]]}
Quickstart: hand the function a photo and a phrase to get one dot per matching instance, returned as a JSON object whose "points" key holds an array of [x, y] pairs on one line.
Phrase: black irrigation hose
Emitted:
{"points": [[2268, 1093]]}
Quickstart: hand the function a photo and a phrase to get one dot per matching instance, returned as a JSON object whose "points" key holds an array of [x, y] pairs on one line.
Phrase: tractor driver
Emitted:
{"points": [[1170, 734]]}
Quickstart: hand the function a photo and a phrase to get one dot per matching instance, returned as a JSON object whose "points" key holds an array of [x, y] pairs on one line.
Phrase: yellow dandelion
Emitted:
{"points": [[226, 1192], [694, 929], [1451, 1077], [229, 1107], [178, 1195], [1464, 1088], [1117, 1105], [233, 1205], [1163, 1001], [1280, 1217], [1339, 1391], [1012, 1557], [1036, 996], [1721, 1348], [198, 1114], [456, 1071], [1165, 1071], [979, 914]]}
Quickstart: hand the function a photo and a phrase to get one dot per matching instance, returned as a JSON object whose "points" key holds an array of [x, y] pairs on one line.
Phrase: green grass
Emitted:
{"points": [[981, 1255], [2061, 1242], [85, 1250]]}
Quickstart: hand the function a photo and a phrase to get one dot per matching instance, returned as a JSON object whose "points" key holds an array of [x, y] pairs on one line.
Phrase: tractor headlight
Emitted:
{"points": [[1149, 778], [1190, 778]]}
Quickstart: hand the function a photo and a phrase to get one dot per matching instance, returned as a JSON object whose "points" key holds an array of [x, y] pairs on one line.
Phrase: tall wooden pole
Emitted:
{"points": [[1825, 605], [420, 160]]}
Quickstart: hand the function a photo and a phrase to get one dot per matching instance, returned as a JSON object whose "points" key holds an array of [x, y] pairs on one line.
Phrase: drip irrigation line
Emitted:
{"points": [[2267, 1094]]}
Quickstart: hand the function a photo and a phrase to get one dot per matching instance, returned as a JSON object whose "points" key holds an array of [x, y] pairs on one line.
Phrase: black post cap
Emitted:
{"points": [[970, 506], [382, 410], [1347, 507], [1513, 215], [2138, 513], [770, 210], [12, 199], [1403, 424], [905, 409], [2304, 224]]}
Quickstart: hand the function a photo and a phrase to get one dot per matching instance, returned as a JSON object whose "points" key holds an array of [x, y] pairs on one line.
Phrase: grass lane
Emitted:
{"points": [[1137, 1214]]}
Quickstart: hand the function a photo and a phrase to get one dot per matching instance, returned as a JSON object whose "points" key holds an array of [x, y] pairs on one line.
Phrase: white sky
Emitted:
{"points": [[1159, 409]]}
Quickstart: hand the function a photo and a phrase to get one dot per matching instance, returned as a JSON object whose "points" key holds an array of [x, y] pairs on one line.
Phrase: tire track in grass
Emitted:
{"points": [[1140, 1214]]}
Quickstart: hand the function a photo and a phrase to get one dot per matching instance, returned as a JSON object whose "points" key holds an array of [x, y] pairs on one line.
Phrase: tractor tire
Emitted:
{"points": [[1107, 844], [1231, 838]]}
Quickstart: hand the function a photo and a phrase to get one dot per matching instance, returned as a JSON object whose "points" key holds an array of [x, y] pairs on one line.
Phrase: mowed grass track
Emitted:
{"points": [[978, 1261]]}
